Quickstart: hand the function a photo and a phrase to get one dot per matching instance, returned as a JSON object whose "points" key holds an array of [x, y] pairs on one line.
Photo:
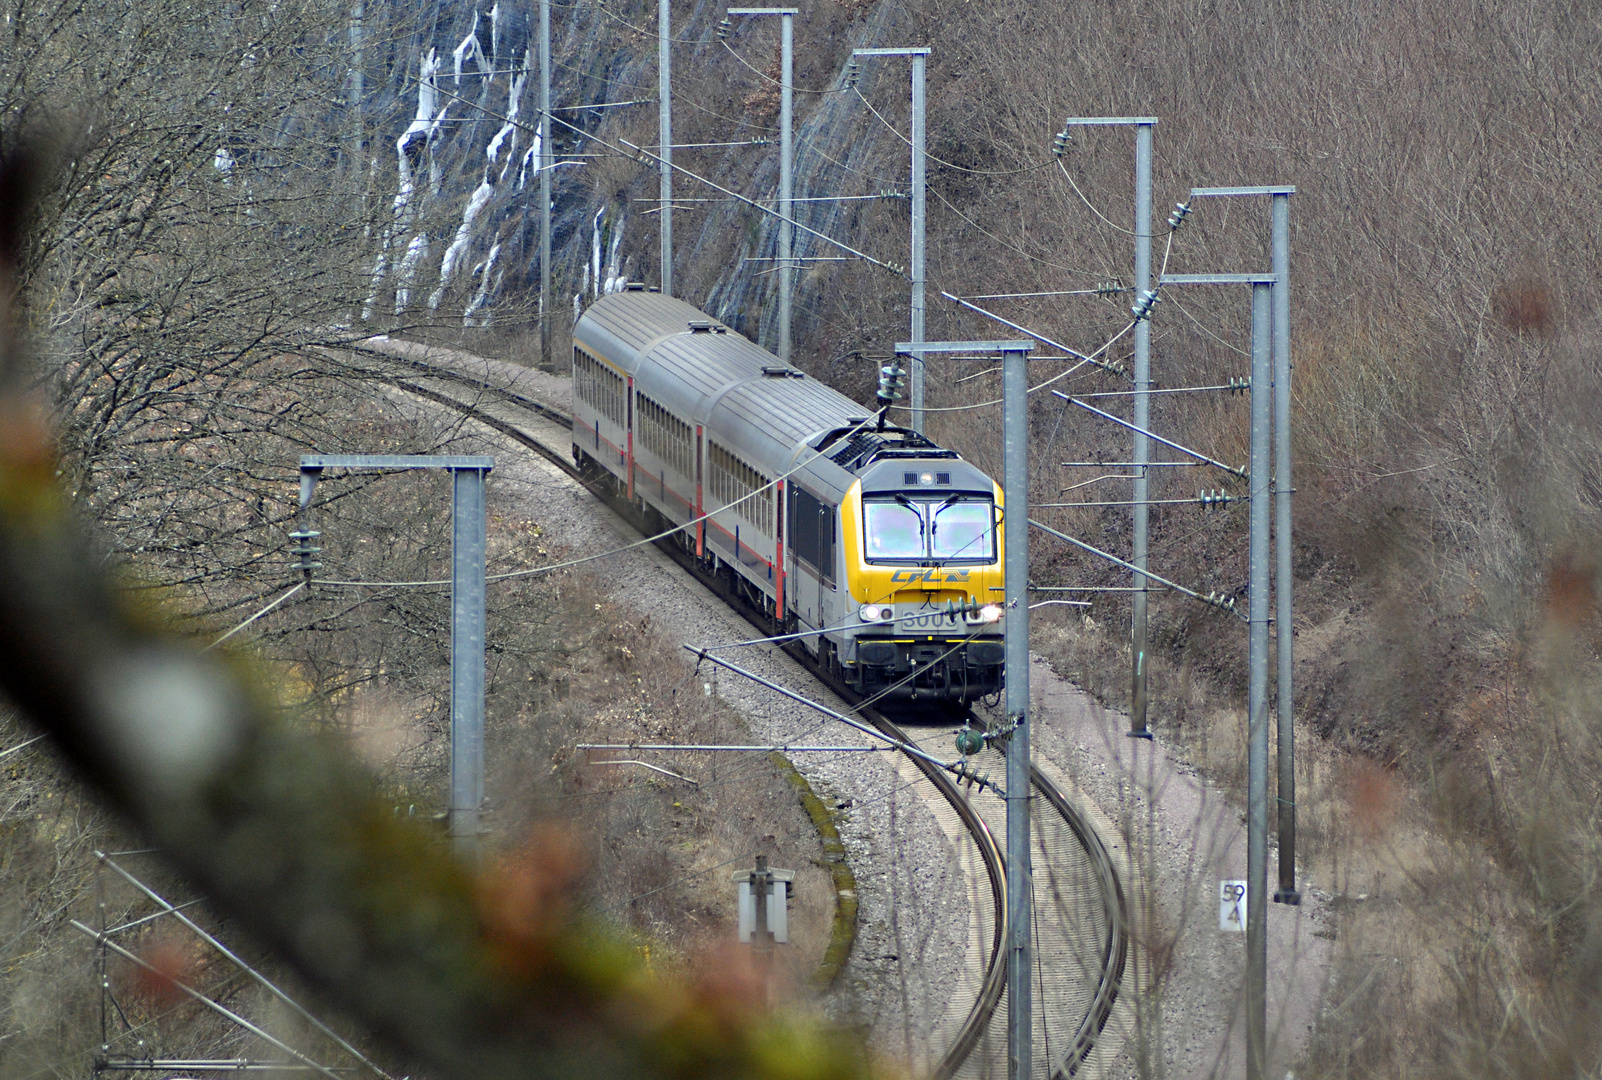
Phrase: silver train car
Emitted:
{"points": [[882, 547]]}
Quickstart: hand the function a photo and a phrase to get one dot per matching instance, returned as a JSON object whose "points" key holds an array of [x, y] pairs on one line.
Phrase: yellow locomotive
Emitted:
{"points": [[878, 546]]}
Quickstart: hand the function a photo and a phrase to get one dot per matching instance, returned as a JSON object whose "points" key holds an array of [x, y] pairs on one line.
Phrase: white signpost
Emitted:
{"points": [[1232, 906]]}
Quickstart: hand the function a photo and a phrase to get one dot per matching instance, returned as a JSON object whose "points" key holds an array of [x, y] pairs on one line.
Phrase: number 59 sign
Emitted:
{"points": [[1232, 906]]}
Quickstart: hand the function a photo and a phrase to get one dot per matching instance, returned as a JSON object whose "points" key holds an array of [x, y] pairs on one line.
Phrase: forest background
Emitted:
{"points": [[244, 192]]}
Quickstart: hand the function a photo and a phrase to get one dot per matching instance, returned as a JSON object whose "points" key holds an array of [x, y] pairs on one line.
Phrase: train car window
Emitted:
{"points": [[962, 530], [665, 435], [600, 387], [732, 481], [894, 530]]}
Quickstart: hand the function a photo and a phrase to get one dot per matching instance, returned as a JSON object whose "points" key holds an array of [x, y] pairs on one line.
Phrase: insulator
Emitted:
{"points": [[1061, 142], [1240, 386], [891, 378], [724, 27], [761, 140], [304, 549], [897, 268], [853, 69], [969, 741], [1110, 288], [1143, 305], [1221, 601], [1177, 218], [1214, 498]]}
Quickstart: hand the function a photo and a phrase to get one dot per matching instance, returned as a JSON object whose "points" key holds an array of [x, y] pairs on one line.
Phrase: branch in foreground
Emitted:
{"points": [[483, 975]]}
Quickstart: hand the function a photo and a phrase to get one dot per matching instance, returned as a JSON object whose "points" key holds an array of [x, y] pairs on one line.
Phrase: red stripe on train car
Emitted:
{"points": [[778, 550], [700, 528]]}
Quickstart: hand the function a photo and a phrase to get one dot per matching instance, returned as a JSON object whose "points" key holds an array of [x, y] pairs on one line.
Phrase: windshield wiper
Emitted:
{"points": [[934, 515], [910, 505]]}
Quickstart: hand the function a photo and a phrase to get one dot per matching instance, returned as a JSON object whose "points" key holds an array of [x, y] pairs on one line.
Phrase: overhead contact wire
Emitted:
{"points": [[535, 570], [941, 161]]}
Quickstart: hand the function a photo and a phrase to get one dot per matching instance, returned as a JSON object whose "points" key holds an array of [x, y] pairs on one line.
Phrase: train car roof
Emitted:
{"points": [[697, 366]]}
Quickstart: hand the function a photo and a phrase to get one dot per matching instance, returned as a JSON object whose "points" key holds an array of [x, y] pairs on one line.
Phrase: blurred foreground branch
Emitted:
{"points": [[483, 975]]}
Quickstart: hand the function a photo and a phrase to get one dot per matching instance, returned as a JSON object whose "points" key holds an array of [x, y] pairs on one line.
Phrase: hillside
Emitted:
{"points": [[238, 198]]}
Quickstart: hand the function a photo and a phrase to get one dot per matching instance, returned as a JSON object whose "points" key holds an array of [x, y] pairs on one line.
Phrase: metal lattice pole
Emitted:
{"points": [[919, 197], [1015, 483], [1260, 485], [1140, 511], [664, 134], [547, 346], [1284, 689], [467, 658], [786, 182], [786, 268]]}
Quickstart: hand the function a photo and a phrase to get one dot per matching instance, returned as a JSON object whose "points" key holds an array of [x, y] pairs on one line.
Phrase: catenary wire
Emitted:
{"points": [[1087, 359], [532, 571], [753, 203], [1226, 344], [1091, 206], [298, 586], [776, 82], [642, 31], [640, 151], [1007, 243], [677, 100], [941, 161], [808, 143], [1084, 358], [811, 728]]}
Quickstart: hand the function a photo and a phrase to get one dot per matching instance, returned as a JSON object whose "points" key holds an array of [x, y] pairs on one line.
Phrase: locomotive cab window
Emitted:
{"points": [[957, 529], [962, 529], [895, 530]]}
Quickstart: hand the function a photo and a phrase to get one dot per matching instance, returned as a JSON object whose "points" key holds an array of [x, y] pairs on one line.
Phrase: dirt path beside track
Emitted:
{"points": [[1185, 838]]}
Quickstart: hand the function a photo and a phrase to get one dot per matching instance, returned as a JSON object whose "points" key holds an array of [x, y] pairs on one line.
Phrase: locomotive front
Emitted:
{"points": [[922, 540]]}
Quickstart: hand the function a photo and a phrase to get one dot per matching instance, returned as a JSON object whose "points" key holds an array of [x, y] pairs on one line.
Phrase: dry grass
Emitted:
{"points": [[569, 662], [1466, 882]]}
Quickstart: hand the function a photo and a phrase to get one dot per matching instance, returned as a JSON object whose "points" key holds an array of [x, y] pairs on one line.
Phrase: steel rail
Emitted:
{"points": [[1115, 952], [993, 985]]}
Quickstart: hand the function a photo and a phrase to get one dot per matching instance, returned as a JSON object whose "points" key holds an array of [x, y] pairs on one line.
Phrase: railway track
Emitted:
{"points": [[1081, 928]]}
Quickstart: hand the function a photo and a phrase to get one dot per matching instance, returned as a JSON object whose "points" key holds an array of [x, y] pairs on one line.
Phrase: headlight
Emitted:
{"points": [[990, 613], [870, 612]]}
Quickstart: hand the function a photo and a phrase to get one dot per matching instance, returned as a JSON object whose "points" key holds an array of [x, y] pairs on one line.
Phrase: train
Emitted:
{"points": [[879, 549]]}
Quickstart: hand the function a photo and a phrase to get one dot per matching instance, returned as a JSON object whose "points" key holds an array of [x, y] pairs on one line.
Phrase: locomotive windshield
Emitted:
{"points": [[895, 529], [959, 528]]}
